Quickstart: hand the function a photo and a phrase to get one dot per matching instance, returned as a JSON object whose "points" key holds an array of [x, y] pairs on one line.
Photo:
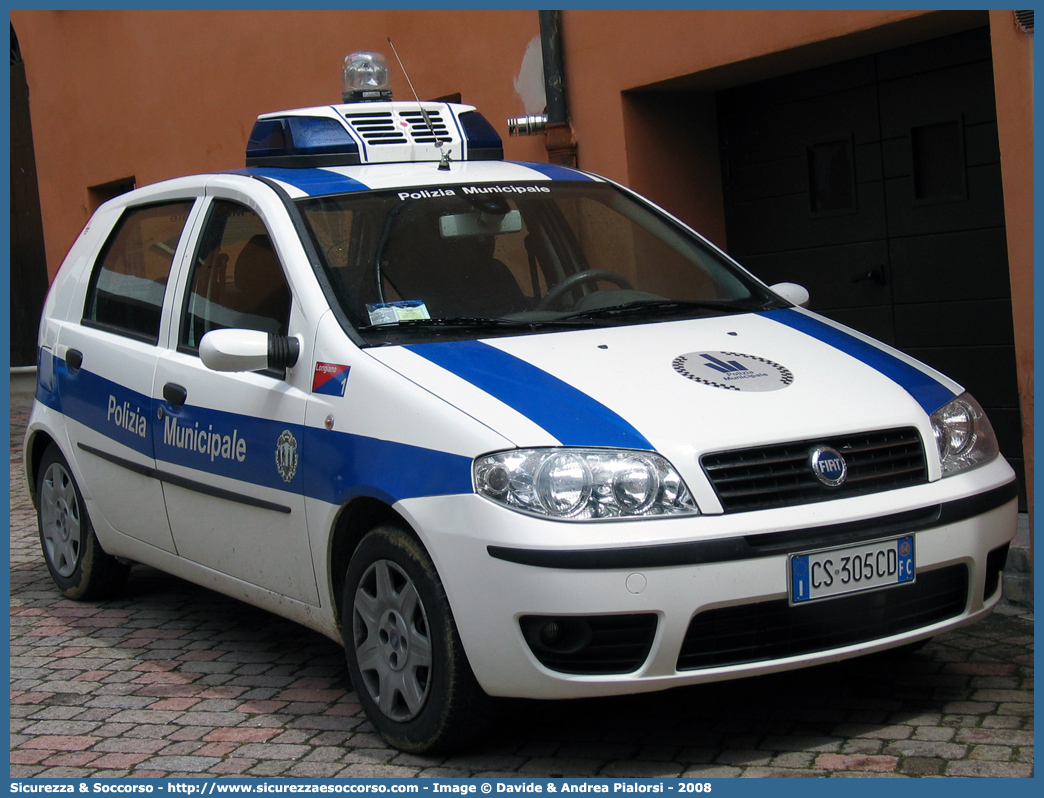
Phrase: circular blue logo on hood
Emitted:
{"points": [[733, 371]]}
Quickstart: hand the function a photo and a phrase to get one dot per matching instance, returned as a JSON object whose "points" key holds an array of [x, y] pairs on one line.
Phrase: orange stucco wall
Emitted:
{"points": [[156, 94]]}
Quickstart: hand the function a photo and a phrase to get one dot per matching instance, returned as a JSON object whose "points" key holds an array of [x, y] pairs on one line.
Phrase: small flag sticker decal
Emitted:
{"points": [[329, 379]]}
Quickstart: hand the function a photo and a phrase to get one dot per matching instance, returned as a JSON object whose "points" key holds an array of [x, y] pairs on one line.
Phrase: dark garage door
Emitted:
{"points": [[876, 184]]}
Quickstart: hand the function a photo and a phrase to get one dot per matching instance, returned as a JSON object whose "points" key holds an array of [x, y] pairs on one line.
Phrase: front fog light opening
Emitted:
{"points": [[565, 635], [590, 644]]}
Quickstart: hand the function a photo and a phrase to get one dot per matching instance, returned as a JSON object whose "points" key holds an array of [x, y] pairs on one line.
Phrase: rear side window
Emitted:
{"points": [[127, 286], [237, 280]]}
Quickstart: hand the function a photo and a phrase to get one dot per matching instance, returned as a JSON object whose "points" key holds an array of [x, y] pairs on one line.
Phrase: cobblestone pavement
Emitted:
{"points": [[173, 680]]}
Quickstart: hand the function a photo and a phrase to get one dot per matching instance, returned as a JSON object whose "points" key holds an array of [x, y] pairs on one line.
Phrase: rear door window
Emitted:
{"points": [[126, 291]]}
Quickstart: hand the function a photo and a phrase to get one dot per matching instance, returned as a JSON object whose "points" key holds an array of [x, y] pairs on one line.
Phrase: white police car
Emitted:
{"points": [[504, 429]]}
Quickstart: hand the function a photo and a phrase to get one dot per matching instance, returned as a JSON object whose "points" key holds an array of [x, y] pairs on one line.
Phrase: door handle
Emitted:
{"points": [[875, 274], [175, 394], [74, 359]]}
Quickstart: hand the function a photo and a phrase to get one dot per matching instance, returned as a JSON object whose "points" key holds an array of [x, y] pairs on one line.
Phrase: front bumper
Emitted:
{"points": [[679, 591]]}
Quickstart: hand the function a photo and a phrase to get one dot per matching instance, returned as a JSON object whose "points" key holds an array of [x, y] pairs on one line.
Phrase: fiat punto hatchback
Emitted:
{"points": [[503, 429]]}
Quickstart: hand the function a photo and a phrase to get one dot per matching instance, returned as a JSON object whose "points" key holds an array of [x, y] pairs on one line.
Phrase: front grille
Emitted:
{"points": [[382, 127], [779, 475], [590, 644], [771, 630]]}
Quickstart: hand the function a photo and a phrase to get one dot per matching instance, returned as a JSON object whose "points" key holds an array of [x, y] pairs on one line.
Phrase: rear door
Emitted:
{"points": [[106, 363]]}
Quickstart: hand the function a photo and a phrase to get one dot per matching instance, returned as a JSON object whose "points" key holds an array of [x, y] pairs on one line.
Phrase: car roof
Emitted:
{"points": [[314, 182], [306, 182]]}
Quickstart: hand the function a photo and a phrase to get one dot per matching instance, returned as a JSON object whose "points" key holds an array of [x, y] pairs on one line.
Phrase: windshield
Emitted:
{"points": [[468, 261]]}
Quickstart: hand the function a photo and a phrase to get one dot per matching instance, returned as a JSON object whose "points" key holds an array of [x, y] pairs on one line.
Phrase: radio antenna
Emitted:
{"points": [[444, 157]]}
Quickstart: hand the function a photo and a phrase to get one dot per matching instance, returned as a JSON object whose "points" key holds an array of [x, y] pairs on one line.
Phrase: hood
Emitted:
{"points": [[681, 388]]}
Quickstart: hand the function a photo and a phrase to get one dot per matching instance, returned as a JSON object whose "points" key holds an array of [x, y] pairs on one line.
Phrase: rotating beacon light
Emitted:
{"points": [[365, 78]]}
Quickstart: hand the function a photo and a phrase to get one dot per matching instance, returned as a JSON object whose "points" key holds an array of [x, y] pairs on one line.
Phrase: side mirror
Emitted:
{"points": [[248, 350], [793, 293]]}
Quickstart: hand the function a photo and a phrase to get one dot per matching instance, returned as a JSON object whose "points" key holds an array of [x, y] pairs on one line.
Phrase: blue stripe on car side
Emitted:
{"points": [[342, 466], [572, 416], [929, 393], [313, 182], [46, 379], [114, 410], [334, 466]]}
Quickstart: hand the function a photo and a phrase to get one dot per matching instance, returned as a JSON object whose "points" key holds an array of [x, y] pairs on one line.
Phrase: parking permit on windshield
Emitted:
{"points": [[392, 312]]}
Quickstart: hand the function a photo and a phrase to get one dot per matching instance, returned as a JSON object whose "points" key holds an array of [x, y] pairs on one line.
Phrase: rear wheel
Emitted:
{"points": [[78, 565], [404, 655]]}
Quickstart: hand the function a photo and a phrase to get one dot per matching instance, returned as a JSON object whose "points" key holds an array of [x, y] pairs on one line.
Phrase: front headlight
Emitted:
{"points": [[583, 484], [964, 435]]}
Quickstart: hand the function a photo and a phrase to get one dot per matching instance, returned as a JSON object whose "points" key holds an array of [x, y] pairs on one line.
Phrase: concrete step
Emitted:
{"points": [[1018, 574]]}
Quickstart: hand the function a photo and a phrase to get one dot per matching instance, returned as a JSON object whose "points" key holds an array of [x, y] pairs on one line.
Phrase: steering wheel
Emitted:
{"points": [[572, 281]]}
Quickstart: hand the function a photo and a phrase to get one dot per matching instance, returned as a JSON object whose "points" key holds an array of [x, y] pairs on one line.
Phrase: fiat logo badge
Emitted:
{"points": [[829, 466]]}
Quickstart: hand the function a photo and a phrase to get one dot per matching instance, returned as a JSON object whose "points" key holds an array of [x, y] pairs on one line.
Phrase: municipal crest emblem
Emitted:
{"points": [[286, 455]]}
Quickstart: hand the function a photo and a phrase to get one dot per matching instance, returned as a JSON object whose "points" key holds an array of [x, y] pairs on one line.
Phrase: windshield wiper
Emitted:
{"points": [[666, 307], [470, 322]]}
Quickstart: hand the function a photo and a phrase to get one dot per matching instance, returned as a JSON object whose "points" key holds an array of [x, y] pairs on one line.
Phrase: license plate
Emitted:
{"points": [[851, 569]]}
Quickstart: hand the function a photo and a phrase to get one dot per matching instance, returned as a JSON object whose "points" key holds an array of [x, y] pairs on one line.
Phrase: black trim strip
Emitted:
{"points": [[126, 332], [298, 161], [182, 482], [485, 154], [765, 545]]}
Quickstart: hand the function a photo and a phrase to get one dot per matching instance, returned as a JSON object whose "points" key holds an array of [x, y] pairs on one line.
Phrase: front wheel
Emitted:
{"points": [[78, 565], [404, 655]]}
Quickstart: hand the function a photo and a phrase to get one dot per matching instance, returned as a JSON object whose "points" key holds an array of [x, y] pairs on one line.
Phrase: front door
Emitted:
{"points": [[228, 442], [876, 184]]}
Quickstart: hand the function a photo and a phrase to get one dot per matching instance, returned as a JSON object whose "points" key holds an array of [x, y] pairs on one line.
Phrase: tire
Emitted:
{"points": [[904, 651], [404, 655], [894, 656], [78, 565]]}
